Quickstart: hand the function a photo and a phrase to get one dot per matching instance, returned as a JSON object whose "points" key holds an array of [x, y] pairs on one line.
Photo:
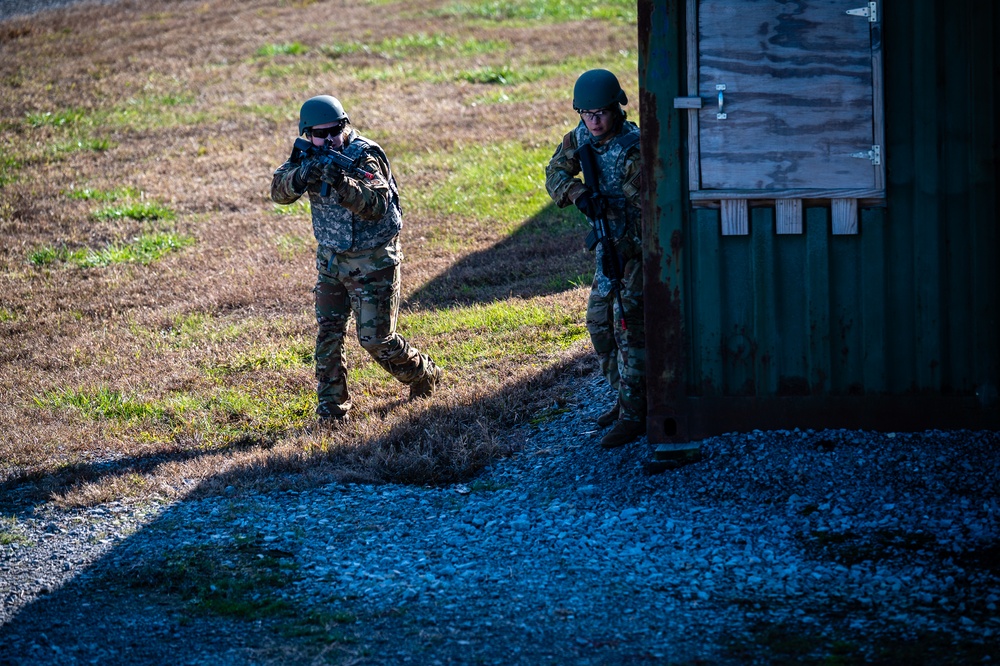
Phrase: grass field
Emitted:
{"points": [[156, 324]]}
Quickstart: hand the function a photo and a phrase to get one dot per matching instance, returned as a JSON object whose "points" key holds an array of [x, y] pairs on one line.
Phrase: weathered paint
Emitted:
{"points": [[663, 209], [896, 327]]}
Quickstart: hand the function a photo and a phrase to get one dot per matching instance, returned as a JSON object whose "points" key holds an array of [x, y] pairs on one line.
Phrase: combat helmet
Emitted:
{"points": [[597, 89], [320, 110]]}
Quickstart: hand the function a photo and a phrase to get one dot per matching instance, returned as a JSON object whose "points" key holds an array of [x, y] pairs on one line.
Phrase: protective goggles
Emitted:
{"points": [[323, 132]]}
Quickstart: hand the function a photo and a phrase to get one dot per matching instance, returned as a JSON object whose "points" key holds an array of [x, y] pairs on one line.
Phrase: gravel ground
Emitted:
{"points": [[12, 8], [779, 547]]}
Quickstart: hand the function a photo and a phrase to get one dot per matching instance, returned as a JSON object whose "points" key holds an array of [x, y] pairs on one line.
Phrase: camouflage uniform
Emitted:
{"points": [[622, 352], [358, 260]]}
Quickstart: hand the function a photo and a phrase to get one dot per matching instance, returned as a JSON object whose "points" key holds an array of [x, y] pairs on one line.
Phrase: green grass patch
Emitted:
{"points": [[142, 112], [144, 249], [289, 48], [321, 627], [224, 415], [502, 75], [9, 534], [296, 356], [499, 183], [486, 486], [441, 68], [242, 581], [496, 331], [784, 644], [548, 415], [62, 118], [197, 328], [104, 196], [7, 315], [143, 211], [549, 11], [440, 44], [102, 403], [290, 246], [95, 144], [10, 538], [9, 167], [301, 208]]}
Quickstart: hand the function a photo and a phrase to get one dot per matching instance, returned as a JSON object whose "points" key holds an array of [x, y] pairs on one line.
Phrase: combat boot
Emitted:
{"points": [[623, 433], [332, 422], [424, 387], [608, 417], [331, 416]]}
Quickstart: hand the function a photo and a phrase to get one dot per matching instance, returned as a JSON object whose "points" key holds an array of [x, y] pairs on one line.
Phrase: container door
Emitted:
{"points": [[789, 97]]}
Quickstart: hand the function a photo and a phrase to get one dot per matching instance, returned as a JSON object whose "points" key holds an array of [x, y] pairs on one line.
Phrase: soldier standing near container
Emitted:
{"points": [[356, 220], [615, 324]]}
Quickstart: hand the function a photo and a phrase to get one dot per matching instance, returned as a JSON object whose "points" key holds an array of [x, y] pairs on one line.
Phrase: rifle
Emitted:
{"points": [[599, 235], [329, 157]]}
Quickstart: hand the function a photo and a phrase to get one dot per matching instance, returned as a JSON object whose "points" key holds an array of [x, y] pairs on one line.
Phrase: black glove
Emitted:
{"points": [[309, 172], [588, 204], [332, 174]]}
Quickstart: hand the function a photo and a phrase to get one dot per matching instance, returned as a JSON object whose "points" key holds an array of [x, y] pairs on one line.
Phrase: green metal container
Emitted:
{"points": [[787, 285]]}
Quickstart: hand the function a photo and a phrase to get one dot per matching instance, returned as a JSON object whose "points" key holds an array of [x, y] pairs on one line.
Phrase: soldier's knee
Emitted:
{"points": [[377, 347]]}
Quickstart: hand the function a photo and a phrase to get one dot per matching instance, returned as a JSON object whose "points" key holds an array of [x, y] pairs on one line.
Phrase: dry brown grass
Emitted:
{"points": [[169, 98]]}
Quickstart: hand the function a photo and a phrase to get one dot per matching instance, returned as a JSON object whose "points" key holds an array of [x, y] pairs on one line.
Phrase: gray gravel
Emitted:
{"points": [[12, 8], [563, 554]]}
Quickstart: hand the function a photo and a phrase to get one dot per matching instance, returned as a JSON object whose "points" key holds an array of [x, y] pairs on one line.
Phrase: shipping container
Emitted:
{"points": [[820, 215]]}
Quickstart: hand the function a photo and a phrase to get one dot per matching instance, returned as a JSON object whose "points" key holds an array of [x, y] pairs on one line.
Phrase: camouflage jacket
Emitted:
{"points": [[620, 166], [358, 214]]}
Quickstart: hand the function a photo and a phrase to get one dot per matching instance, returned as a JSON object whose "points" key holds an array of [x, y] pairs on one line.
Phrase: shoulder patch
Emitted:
{"points": [[568, 142]]}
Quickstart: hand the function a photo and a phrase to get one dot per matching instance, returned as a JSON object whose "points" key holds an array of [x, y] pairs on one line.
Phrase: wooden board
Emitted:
{"points": [[788, 216], [798, 99]]}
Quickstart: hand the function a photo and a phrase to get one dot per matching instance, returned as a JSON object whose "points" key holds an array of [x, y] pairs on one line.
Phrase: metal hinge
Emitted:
{"points": [[875, 155], [870, 11]]}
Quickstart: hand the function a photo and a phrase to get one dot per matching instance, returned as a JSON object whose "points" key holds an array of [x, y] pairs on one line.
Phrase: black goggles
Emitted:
{"points": [[323, 132]]}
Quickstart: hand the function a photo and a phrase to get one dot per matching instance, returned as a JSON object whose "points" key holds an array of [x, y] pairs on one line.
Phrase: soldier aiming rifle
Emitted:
{"points": [[356, 220], [604, 146]]}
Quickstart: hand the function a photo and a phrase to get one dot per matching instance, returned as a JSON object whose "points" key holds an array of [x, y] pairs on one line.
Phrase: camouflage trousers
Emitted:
{"points": [[621, 352], [364, 285]]}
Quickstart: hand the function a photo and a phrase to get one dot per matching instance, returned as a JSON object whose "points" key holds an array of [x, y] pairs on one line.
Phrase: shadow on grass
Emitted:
{"points": [[178, 591], [545, 255], [21, 492], [443, 444]]}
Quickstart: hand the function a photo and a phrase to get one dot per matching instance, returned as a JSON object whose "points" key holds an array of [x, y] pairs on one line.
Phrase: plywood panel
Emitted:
{"points": [[798, 98]]}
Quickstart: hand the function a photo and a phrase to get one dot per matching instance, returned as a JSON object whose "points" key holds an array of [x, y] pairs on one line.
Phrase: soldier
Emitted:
{"points": [[598, 98], [356, 220]]}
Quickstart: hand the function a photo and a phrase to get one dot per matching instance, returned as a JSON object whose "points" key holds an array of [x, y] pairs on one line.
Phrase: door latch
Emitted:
{"points": [[721, 87]]}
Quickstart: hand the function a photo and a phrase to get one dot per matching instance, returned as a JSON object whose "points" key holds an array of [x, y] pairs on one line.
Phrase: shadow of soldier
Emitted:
{"points": [[545, 255], [207, 581]]}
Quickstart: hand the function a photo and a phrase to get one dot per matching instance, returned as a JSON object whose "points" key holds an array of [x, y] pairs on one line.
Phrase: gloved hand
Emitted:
{"points": [[309, 172], [332, 174], [588, 204]]}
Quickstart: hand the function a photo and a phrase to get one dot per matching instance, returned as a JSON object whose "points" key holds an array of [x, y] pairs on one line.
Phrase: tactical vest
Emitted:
{"points": [[611, 165], [622, 219], [338, 228]]}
